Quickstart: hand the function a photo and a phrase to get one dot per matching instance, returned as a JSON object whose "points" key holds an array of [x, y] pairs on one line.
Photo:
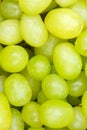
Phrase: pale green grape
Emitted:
{"points": [[17, 121], [13, 58], [54, 87], [41, 98], [5, 113], [2, 79], [47, 49], [39, 128], [80, 121], [10, 27], [38, 67], [81, 8], [68, 24], [34, 7], [78, 86], [67, 61], [81, 43], [33, 30], [34, 84], [84, 103], [10, 9], [65, 3], [17, 89], [55, 113], [30, 114]]}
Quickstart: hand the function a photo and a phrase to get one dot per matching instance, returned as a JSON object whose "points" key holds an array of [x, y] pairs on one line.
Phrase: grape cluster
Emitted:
{"points": [[43, 64]]}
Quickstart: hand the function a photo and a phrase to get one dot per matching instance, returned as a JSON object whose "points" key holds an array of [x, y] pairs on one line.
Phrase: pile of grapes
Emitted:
{"points": [[43, 64]]}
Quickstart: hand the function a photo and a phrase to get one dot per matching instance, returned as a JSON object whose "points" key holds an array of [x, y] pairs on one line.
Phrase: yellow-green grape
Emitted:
{"points": [[81, 8], [13, 58], [10, 9], [41, 98], [80, 121], [30, 114], [17, 121], [84, 61], [84, 103], [86, 69], [64, 128], [52, 5], [33, 30], [34, 7], [55, 113], [67, 61], [9, 32], [17, 89], [65, 3], [64, 23], [81, 43], [2, 79], [34, 84], [47, 49], [1, 18], [5, 113]]}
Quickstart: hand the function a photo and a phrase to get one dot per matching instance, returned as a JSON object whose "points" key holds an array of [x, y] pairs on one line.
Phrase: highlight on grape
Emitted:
{"points": [[43, 64]]}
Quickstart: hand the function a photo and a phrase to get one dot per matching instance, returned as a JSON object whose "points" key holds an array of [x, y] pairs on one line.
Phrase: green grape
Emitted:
{"points": [[10, 27], [17, 121], [86, 69], [65, 3], [13, 58], [54, 113], [5, 113], [67, 61], [80, 121], [54, 87], [33, 30], [81, 8], [17, 89], [68, 24], [38, 67], [39, 128], [74, 101], [78, 86], [30, 114], [81, 43], [84, 61], [84, 103], [34, 84], [41, 98], [47, 49], [2, 79], [10, 9], [34, 7], [52, 5], [1, 18]]}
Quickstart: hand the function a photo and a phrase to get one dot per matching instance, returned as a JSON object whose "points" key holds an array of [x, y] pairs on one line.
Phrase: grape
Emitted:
{"points": [[30, 114], [13, 58], [34, 84], [17, 89], [2, 79], [80, 121], [5, 113], [68, 24], [47, 49], [80, 6], [67, 61], [81, 43], [54, 87], [17, 121], [41, 98], [34, 7], [78, 86], [38, 67], [10, 9], [37, 36], [54, 113], [65, 3], [10, 27]]}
